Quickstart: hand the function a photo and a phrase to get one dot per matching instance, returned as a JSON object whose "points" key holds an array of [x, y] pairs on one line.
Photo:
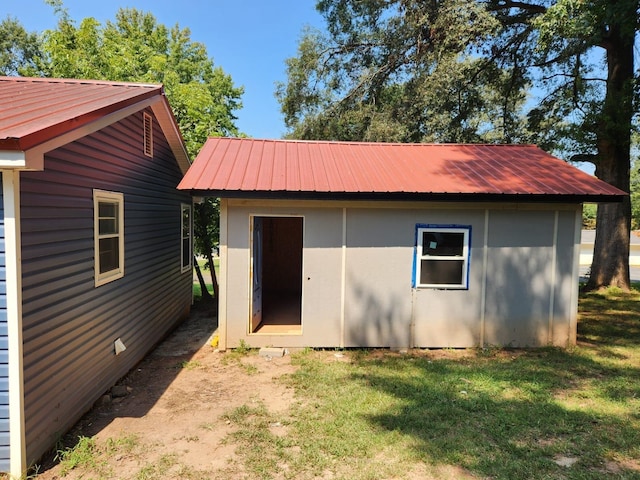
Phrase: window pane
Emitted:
{"points": [[107, 218], [441, 272], [107, 209], [108, 226], [442, 244], [186, 222], [109, 254], [186, 254]]}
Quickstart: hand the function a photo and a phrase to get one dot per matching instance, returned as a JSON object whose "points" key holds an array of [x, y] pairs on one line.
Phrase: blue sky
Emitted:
{"points": [[249, 39]]}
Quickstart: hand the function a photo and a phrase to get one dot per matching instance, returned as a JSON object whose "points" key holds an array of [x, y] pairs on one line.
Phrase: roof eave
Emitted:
{"points": [[34, 155], [49, 133], [410, 196]]}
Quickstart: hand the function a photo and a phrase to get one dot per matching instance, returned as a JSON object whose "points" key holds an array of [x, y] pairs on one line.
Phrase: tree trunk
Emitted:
{"points": [[610, 265], [203, 285], [214, 278]]}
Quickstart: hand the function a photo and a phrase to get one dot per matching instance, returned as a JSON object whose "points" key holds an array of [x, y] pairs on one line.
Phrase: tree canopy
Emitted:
{"points": [[556, 73], [135, 47], [19, 50]]}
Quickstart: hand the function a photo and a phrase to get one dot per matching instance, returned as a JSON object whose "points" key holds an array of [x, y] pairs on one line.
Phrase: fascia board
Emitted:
{"points": [[163, 113]]}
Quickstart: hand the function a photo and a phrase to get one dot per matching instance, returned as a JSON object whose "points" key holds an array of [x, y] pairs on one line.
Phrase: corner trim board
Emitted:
{"points": [[224, 276], [343, 274], [554, 276], [13, 255]]}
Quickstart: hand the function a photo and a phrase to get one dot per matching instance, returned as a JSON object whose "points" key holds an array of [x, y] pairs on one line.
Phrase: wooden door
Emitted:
{"points": [[256, 272]]}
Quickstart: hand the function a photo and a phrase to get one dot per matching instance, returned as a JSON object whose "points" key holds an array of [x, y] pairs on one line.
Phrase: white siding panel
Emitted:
{"points": [[519, 275], [511, 275]]}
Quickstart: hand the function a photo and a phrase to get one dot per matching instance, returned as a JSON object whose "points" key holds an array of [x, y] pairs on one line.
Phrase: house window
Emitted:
{"points": [[186, 237], [108, 221], [148, 135], [442, 256]]}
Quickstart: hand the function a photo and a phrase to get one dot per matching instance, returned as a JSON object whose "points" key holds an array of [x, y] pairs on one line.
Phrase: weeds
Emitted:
{"points": [[85, 455], [189, 365], [243, 347], [157, 469], [263, 452]]}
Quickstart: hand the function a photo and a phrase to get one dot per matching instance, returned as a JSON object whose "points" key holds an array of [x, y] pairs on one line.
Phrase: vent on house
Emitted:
{"points": [[148, 135]]}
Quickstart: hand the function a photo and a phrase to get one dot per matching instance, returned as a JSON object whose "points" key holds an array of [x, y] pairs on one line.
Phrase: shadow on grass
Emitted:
{"points": [[509, 418], [500, 414], [610, 318]]}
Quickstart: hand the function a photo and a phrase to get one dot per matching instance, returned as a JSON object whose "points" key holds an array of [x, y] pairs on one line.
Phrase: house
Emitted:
{"points": [[95, 251], [329, 244], [588, 239]]}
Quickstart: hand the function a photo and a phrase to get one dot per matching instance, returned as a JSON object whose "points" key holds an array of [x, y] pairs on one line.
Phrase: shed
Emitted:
{"points": [[95, 248], [330, 244]]}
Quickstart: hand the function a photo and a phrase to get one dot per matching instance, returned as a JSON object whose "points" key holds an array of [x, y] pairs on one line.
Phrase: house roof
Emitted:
{"points": [[249, 168], [34, 112]]}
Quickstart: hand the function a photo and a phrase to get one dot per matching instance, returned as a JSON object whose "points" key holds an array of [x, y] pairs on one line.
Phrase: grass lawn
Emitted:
{"points": [[197, 290], [501, 414]]}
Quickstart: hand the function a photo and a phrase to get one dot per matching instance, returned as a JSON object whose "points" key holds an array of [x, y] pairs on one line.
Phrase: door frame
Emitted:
{"points": [[252, 217]]}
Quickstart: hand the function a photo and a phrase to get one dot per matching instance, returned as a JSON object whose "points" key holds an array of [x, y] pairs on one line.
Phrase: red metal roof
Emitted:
{"points": [[235, 167], [34, 110]]}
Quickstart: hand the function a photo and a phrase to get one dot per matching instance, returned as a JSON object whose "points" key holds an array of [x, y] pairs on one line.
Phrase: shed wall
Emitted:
{"points": [[4, 349], [521, 282], [520, 269], [321, 273], [70, 325], [434, 309]]}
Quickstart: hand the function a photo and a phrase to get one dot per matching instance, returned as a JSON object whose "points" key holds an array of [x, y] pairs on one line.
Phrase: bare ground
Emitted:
{"points": [[170, 423]]}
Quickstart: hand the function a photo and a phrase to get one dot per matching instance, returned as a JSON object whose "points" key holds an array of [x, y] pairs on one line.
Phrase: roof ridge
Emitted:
{"points": [[77, 81], [353, 142]]}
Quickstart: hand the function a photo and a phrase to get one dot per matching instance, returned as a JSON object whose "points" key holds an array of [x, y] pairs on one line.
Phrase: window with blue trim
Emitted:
{"points": [[442, 256]]}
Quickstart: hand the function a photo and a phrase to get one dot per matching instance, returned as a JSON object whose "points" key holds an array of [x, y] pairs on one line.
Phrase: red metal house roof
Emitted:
{"points": [[36, 110], [234, 167]]}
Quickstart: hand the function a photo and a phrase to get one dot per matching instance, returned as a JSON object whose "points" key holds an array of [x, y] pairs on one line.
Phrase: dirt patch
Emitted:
{"points": [[170, 423]]}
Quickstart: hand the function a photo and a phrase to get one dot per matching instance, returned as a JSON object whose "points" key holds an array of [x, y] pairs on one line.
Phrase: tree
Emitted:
{"points": [[206, 233], [494, 70], [570, 35], [136, 48], [19, 50]]}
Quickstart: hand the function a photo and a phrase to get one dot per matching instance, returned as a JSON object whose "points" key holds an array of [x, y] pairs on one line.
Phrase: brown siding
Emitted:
{"points": [[70, 325]]}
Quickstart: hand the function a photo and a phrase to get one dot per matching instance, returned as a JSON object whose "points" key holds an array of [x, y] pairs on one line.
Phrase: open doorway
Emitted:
{"points": [[276, 268]]}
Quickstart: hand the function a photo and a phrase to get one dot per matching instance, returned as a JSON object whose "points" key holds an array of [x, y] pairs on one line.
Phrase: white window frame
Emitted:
{"points": [[423, 255], [101, 196], [186, 267]]}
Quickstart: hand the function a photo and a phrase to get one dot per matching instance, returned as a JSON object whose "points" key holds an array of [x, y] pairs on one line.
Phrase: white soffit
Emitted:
{"points": [[12, 159]]}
